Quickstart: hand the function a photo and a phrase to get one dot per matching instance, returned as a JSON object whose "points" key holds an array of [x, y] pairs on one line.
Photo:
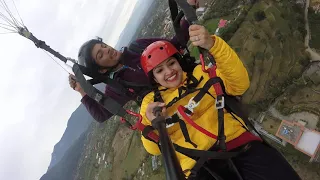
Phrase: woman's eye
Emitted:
{"points": [[158, 70], [172, 63], [100, 55]]}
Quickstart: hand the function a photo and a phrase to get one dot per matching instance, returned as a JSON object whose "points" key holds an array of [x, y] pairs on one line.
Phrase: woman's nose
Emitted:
{"points": [[168, 70]]}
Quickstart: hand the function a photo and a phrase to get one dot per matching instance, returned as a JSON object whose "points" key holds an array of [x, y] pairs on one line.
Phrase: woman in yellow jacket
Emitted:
{"points": [[161, 62]]}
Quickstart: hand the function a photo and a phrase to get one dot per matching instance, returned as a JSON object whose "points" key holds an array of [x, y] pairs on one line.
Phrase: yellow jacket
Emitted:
{"points": [[236, 81]]}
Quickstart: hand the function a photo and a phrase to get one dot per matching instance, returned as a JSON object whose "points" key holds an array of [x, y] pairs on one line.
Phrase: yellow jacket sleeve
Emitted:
{"points": [[230, 68], [150, 146]]}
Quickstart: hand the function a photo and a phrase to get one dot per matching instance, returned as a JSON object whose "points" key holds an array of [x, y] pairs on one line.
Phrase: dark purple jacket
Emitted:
{"points": [[132, 74]]}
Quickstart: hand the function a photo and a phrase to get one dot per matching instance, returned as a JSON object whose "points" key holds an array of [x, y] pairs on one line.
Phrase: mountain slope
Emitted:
{"points": [[64, 170], [77, 124], [129, 32]]}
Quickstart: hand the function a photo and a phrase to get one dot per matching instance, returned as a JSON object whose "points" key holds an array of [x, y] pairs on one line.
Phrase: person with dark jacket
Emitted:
{"points": [[124, 65]]}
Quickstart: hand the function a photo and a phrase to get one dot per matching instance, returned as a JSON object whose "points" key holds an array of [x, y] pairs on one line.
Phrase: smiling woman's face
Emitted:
{"points": [[169, 73]]}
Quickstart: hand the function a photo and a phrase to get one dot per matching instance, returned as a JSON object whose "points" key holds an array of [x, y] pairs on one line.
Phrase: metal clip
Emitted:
{"points": [[192, 104], [97, 97], [220, 102]]}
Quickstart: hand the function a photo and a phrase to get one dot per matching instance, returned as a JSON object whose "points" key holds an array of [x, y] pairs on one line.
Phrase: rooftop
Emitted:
{"points": [[303, 139]]}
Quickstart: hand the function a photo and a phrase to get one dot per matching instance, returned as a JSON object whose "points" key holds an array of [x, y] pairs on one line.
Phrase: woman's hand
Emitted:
{"points": [[199, 36], [151, 106]]}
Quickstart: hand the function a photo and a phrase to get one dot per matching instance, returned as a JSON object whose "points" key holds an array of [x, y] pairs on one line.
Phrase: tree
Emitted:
{"points": [[259, 16]]}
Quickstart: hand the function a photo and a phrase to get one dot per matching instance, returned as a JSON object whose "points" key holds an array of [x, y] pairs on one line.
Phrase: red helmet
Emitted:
{"points": [[155, 54]]}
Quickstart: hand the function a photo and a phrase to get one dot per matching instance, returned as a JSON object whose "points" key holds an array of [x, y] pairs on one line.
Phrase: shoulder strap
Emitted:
{"points": [[107, 102], [136, 47], [176, 17]]}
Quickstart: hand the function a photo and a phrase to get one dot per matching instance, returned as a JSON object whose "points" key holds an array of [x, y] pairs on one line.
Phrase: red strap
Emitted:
{"points": [[153, 136], [212, 74], [212, 71], [217, 87], [140, 126], [181, 110]]}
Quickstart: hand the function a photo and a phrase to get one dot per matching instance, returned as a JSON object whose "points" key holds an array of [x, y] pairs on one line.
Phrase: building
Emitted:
{"points": [[222, 24], [303, 139]]}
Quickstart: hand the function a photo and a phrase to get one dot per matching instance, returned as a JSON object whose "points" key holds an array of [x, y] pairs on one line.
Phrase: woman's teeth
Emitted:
{"points": [[172, 77]]}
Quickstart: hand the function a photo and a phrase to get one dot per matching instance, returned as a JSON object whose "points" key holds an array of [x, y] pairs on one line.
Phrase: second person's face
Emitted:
{"points": [[105, 55]]}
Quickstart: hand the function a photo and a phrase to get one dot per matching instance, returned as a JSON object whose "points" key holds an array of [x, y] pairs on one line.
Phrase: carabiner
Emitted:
{"points": [[192, 104], [211, 70], [203, 65]]}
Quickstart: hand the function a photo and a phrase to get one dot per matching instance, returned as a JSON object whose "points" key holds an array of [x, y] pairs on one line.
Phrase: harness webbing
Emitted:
{"points": [[175, 119], [182, 112], [147, 133], [110, 104], [196, 154]]}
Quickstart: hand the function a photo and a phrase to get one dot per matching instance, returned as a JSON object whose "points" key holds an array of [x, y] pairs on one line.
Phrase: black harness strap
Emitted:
{"points": [[183, 91], [221, 140], [196, 154], [188, 10], [136, 47], [146, 131], [200, 162], [108, 103], [112, 83], [205, 89], [122, 87], [176, 17], [175, 118]]}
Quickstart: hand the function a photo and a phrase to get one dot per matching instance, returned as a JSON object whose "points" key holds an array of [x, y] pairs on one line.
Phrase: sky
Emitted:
{"points": [[35, 98]]}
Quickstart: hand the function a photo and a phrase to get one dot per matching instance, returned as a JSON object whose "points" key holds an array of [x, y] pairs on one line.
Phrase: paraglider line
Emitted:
{"points": [[5, 6], [56, 62], [6, 19], [8, 29], [6, 25], [6, 10], [18, 12], [7, 32]]}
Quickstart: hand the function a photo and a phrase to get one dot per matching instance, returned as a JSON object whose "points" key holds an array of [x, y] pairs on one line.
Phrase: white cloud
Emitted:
{"points": [[124, 16], [35, 100]]}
